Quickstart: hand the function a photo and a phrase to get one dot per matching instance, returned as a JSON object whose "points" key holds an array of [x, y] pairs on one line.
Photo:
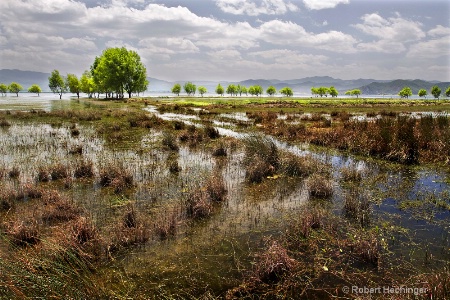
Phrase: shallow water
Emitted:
{"points": [[212, 252]]}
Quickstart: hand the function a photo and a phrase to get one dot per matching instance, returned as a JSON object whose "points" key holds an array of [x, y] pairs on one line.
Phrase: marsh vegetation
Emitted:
{"points": [[167, 199]]}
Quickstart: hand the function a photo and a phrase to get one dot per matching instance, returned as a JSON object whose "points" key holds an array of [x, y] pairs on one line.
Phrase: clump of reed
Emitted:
{"points": [[261, 158], [76, 150], [273, 264], [200, 201], [170, 141], [4, 123], [191, 135], [211, 132], [23, 233], [58, 208], [117, 177], [219, 150], [368, 249], [43, 174], [320, 186], [357, 206], [14, 172], [131, 230], [351, 173], [166, 226], [84, 169], [297, 166], [59, 171]]}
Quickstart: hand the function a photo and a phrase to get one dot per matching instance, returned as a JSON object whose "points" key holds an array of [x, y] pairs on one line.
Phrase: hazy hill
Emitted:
{"points": [[25, 78], [393, 87], [299, 86]]}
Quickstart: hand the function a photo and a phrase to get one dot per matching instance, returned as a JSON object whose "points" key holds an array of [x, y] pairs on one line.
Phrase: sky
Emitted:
{"points": [[233, 40]]}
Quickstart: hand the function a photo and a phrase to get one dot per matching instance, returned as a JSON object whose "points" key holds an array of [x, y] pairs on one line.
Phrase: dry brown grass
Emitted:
{"points": [[23, 233], [117, 177], [130, 230], [58, 209], [273, 264], [320, 186], [59, 171], [84, 169]]}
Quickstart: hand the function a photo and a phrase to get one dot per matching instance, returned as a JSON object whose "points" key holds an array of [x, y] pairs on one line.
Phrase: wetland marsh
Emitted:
{"points": [[175, 198]]}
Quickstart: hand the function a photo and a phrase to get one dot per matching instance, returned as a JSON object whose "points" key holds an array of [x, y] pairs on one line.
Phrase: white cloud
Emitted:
{"points": [[432, 49], [288, 33], [289, 57], [382, 46], [255, 8], [323, 4], [439, 30], [393, 29]]}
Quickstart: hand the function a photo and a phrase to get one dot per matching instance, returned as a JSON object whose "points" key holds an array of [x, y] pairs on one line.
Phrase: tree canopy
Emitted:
{"points": [[35, 89], [405, 92], [271, 90], [176, 89], [255, 90], [15, 88], [447, 92], [119, 70], [355, 92], [422, 93], [220, 90], [190, 88], [435, 91], [73, 84], [87, 84], [3, 88], [56, 83], [333, 92], [202, 90], [320, 91], [232, 90], [286, 91]]}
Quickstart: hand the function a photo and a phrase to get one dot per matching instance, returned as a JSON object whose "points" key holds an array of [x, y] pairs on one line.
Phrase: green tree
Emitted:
{"points": [[73, 84], [255, 90], [322, 91], [57, 84], [422, 93], [35, 89], [447, 92], [242, 90], [120, 70], [202, 90], [219, 90], [436, 91], [286, 91], [314, 91], [15, 88], [176, 89], [405, 92], [271, 90], [355, 92], [232, 90], [333, 91], [3, 89], [87, 84], [190, 88]]}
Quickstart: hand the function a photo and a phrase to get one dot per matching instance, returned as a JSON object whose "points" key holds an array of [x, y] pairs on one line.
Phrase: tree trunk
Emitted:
{"points": [[129, 94]]}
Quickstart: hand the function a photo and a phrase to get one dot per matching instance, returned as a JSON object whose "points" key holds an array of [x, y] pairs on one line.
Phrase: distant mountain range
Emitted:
{"points": [[299, 86]]}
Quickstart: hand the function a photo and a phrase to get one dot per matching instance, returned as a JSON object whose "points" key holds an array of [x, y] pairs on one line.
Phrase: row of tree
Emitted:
{"points": [[116, 72], [232, 89], [435, 91], [15, 88]]}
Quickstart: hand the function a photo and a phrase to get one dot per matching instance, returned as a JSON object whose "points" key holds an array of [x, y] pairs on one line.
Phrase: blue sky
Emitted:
{"points": [[233, 39]]}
